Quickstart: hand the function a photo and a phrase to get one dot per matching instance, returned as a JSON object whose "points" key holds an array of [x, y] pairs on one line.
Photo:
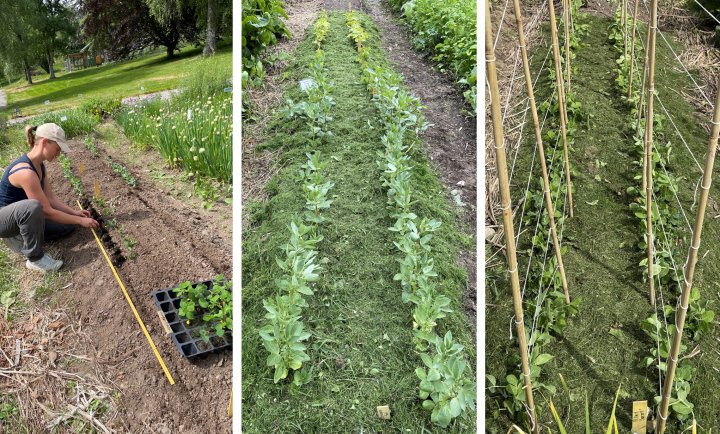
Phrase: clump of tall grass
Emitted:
{"points": [[207, 77], [74, 122]]}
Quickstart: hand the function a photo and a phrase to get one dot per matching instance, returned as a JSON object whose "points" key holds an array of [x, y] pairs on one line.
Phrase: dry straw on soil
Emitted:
{"points": [[513, 97], [38, 360], [699, 54]]}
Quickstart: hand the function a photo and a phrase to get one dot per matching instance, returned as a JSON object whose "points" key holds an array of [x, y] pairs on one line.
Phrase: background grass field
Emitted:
{"points": [[147, 74]]}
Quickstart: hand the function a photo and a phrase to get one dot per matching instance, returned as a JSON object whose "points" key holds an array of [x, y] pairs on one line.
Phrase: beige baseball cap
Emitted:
{"points": [[55, 133]]}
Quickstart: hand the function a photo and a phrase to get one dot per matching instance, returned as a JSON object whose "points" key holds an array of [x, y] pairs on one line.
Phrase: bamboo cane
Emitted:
{"points": [[632, 48], [561, 101], [501, 162], [642, 99], [566, 15], [623, 21], [540, 147], [648, 148], [689, 269]]}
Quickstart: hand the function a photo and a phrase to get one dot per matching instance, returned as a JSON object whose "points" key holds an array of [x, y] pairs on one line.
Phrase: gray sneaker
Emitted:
{"points": [[15, 243], [44, 264]]}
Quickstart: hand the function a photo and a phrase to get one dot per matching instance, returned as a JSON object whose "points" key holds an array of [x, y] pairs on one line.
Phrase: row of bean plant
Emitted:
{"points": [[449, 29], [284, 332], [668, 228], [546, 311], [445, 389], [317, 101]]}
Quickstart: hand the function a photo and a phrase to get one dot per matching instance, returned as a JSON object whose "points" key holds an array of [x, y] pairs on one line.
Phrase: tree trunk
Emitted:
{"points": [[28, 74], [211, 38], [171, 50], [51, 61]]}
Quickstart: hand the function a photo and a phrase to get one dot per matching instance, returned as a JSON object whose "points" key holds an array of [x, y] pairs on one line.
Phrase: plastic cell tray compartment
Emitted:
{"points": [[182, 335]]}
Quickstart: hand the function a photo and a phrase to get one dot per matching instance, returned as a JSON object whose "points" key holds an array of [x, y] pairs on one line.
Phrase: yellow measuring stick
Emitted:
{"points": [[132, 306]]}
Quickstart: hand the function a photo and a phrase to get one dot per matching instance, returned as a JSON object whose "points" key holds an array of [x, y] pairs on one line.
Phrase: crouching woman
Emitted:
{"points": [[30, 213]]}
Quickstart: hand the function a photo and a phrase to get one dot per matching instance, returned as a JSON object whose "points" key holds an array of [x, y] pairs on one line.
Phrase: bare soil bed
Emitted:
{"points": [[176, 241]]}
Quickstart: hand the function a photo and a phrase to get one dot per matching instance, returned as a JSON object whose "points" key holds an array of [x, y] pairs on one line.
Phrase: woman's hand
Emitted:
{"points": [[82, 213], [89, 223]]}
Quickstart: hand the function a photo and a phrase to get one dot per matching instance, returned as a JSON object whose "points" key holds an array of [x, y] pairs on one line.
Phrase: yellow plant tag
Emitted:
{"points": [[82, 168], [383, 412], [97, 190], [639, 417]]}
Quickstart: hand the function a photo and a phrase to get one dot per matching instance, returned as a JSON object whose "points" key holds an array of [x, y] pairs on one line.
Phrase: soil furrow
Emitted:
{"points": [[172, 242]]}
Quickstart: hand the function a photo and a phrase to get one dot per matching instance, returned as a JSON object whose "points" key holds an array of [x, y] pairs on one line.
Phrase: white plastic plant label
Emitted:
{"points": [[306, 84], [189, 114], [63, 118]]}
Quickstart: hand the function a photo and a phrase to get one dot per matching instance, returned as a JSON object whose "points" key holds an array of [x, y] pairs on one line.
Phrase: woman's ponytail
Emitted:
{"points": [[30, 135]]}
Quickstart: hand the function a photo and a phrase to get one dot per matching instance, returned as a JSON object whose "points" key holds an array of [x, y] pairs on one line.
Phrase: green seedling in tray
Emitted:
{"points": [[210, 306]]}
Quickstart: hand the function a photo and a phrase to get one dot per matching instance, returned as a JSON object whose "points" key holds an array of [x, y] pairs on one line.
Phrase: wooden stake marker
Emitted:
{"points": [[689, 269], [540, 148], [639, 417], [501, 162], [561, 101]]}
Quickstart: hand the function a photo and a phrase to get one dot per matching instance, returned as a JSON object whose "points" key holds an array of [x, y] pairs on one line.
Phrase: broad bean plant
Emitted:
{"points": [[444, 388], [668, 227]]}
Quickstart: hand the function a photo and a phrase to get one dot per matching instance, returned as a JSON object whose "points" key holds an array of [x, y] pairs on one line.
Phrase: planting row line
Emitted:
{"points": [[444, 387], [284, 332], [547, 310], [667, 226]]}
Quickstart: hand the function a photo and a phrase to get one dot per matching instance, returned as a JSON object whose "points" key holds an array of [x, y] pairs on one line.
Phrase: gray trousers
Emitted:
{"points": [[25, 230]]}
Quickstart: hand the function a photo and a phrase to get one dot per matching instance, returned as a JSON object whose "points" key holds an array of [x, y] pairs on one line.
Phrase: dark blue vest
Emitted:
{"points": [[8, 192]]}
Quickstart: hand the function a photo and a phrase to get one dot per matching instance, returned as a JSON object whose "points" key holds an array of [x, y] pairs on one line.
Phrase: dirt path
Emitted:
{"points": [[175, 242]]}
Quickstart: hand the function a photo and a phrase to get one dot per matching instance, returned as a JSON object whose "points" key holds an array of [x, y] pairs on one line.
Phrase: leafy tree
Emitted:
{"points": [[127, 26], [18, 37], [207, 11], [56, 25]]}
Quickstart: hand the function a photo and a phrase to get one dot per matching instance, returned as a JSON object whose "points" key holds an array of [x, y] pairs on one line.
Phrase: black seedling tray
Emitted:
{"points": [[186, 337]]}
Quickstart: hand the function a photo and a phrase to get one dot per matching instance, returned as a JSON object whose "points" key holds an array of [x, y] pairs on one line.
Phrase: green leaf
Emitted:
{"points": [[542, 359]]}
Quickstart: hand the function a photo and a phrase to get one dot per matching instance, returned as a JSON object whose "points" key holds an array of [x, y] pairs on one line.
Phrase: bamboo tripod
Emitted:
{"points": [[501, 162], [690, 267], [540, 147], [561, 101]]}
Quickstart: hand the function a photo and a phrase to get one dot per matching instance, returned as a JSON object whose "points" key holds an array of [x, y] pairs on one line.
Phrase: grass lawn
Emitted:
{"points": [[147, 74], [604, 345], [361, 347]]}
